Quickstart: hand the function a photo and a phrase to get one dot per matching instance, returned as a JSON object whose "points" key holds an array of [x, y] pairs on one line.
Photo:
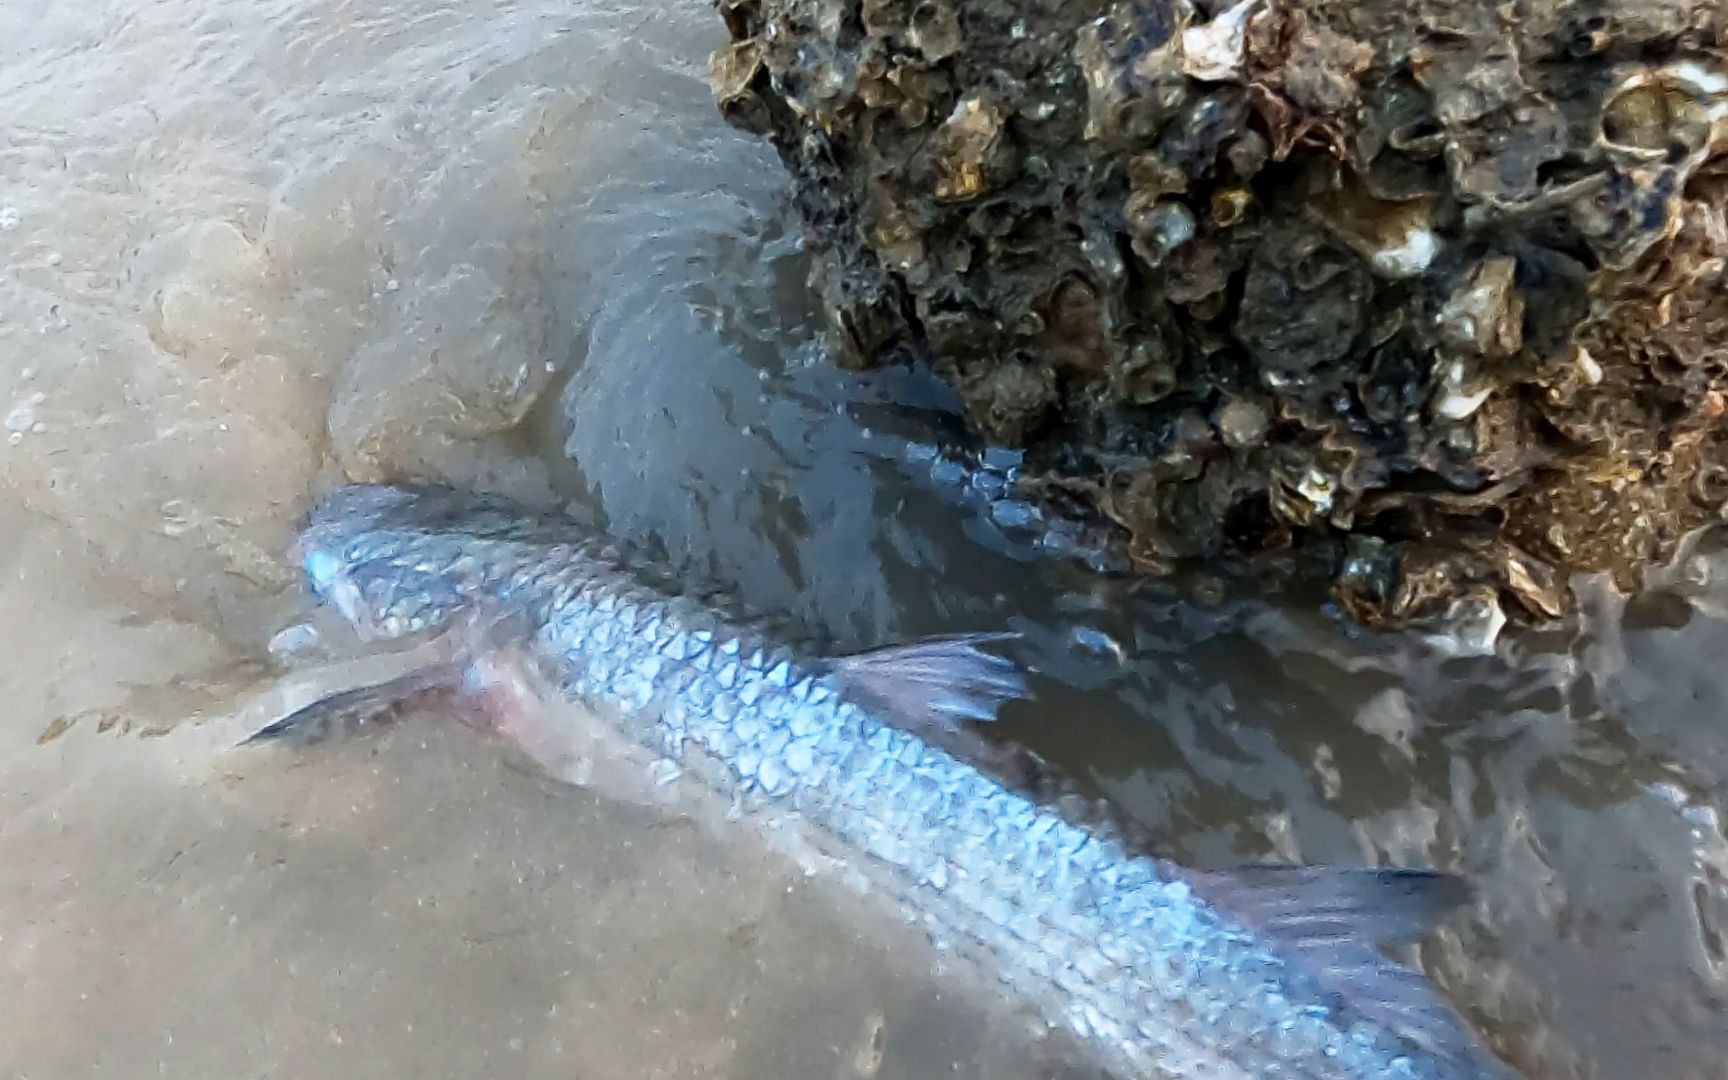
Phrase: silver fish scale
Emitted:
{"points": [[1142, 965]]}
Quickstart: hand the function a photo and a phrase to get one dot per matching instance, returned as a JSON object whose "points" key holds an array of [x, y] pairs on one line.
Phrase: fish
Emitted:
{"points": [[1162, 970]]}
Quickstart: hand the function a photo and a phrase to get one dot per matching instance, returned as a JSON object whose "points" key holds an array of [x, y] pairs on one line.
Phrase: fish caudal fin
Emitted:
{"points": [[1319, 903], [1333, 922], [932, 686]]}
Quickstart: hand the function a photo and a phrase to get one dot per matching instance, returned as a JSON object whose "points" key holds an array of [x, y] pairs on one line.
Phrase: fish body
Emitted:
{"points": [[1266, 973]]}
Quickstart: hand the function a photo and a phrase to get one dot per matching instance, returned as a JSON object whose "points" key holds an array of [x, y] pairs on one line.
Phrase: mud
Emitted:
{"points": [[1429, 293]]}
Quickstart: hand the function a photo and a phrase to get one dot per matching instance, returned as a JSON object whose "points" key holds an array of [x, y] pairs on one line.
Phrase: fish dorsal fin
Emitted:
{"points": [[1332, 924], [934, 685]]}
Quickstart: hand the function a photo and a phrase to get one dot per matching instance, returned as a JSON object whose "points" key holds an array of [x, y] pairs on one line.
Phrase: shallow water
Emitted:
{"points": [[251, 249]]}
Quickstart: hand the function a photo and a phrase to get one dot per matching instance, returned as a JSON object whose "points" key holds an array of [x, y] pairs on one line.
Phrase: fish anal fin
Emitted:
{"points": [[934, 685]]}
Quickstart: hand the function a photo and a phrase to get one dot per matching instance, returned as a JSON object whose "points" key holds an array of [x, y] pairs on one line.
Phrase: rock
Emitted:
{"points": [[1433, 290]]}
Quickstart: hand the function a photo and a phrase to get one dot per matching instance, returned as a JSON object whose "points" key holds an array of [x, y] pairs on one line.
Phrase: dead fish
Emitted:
{"points": [[1252, 973]]}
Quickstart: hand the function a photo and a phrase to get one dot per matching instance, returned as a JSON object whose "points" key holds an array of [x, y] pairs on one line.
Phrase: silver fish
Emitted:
{"points": [[1253, 973]]}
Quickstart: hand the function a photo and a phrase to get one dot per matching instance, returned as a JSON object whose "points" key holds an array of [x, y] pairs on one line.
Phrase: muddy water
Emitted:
{"points": [[250, 249]]}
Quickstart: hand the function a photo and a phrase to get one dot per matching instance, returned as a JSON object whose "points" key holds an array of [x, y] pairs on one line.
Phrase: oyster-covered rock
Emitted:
{"points": [[1434, 292]]}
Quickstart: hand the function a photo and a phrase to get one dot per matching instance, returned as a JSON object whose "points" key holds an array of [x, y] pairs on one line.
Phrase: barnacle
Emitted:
{"points": [[965, 150], [1484, 316], [733, 72], [1396, 237], [1130, 61]]}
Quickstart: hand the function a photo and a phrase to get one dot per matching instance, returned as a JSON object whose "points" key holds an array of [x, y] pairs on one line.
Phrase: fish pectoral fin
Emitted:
{"points": [[352, 712], [934, 684], [1332, 922]]}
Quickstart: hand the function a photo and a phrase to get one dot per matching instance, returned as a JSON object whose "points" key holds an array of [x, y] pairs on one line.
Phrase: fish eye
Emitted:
{"points": [[322, 570]]}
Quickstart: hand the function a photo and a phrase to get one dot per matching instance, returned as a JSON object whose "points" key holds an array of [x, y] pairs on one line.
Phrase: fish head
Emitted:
{"points": [[322, 551]]}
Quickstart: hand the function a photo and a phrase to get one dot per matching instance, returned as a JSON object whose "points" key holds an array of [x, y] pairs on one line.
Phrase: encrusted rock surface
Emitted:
{"points": [[1431, 292]]}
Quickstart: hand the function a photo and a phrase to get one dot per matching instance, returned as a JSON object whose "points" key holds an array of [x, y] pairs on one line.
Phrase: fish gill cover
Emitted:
{"points": [[1424, 296]]}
